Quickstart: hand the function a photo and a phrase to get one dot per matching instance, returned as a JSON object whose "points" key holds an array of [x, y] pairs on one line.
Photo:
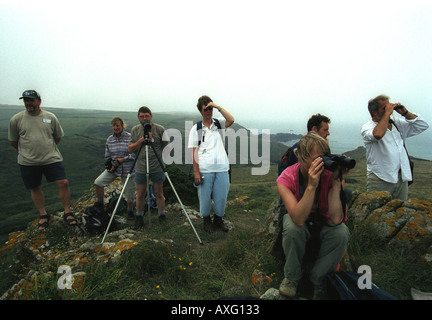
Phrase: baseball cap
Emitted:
{"points": [[31, 94]]}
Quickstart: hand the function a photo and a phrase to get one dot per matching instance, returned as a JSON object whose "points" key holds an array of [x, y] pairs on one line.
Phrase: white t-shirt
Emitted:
{"points": [[212, 156]]}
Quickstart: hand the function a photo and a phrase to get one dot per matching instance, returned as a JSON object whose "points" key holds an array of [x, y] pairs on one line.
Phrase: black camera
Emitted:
{"points": [[398, 107], [109, 164], [147, 128], [333, 161]]}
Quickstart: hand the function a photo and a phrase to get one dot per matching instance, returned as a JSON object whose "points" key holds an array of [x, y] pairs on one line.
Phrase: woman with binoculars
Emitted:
{"points": [[315, 212]]}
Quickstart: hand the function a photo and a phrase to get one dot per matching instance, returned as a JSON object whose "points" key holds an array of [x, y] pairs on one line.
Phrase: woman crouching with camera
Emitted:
{"points": [[118, 163], [312, 197]]}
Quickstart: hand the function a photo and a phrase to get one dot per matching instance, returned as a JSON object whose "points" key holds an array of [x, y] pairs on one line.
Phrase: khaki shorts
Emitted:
{"points": [[106, 178]]}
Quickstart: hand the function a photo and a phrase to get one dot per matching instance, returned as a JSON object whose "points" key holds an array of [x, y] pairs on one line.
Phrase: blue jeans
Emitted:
{"points": [[215, 185]]}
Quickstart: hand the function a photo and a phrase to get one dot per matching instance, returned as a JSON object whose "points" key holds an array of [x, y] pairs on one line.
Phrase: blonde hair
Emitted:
{"points": [[307, 143], [118, 119]]}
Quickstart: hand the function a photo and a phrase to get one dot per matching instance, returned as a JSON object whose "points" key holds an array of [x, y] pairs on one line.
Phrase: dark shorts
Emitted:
{"points": [[32, 175], [156, 177]]}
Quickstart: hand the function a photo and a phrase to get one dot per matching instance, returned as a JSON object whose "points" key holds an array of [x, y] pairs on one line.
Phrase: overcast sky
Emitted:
{"points": [[269, 61]]}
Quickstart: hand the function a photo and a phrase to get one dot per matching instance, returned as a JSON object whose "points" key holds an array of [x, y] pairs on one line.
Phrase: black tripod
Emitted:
{"points": [[146, 143]]}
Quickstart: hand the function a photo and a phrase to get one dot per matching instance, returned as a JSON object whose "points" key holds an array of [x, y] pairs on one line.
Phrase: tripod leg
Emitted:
{"points": [[184, 210], [175, 192], [148, 183], [148, 199], [115, 208]]}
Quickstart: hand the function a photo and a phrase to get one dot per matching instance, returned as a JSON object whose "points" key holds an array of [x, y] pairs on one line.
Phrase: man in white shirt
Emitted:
{"points": [[384, 136], [210, 163]]}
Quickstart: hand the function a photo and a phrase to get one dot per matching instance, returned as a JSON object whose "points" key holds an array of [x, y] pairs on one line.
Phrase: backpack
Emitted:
{"points": [[288, 159], [218, 125], [153, 203], [95, 220], [110, 206]]}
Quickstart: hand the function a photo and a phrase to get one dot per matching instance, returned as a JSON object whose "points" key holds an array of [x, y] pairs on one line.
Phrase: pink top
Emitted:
{"points": [[289, 178]]}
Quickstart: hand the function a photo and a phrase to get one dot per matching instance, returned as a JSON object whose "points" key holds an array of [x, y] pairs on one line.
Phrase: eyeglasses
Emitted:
{"points": [[208, 109]]}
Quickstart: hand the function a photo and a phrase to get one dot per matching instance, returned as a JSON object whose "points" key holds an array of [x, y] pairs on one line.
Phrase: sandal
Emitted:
{"points": [[43, 225], [72, 221]]}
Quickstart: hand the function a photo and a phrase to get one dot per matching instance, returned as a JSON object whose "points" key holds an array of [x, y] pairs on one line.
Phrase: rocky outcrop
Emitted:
{"points": [[44, 252], [405, 223], [402, 223], [73, 248]]}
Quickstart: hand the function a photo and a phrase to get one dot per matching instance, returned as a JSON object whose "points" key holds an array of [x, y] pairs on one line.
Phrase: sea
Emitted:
{"points": [[347, 137]]}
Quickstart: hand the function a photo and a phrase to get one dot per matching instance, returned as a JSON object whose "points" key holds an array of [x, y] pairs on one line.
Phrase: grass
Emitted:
{"points": [[224, 265], [396, 270]]}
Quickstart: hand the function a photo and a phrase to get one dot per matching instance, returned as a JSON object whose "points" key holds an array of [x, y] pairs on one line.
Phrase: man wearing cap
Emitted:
{"points": [[35, 133]]}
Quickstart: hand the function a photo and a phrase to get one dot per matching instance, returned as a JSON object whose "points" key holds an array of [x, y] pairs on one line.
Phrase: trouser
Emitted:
{"points": [[333, 245], [398, 190], [215, 185], [107, 177]]}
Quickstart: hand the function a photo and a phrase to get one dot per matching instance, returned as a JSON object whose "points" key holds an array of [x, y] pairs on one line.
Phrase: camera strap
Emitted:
{"points": [[201, 137], [200, 132], [411, 163], [318, 194], [315, 216]]}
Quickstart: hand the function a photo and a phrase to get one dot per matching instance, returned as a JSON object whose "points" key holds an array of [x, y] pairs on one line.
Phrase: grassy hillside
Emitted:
{"points": [[83, 152], [224, 265]]}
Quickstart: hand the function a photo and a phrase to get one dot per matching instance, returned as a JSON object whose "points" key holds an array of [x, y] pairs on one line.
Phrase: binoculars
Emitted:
{"points": [[332, 162]]}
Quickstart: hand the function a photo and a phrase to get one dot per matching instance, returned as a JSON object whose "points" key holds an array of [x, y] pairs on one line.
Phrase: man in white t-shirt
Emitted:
{"points": [[210, 163], [35, 133], [388, 167]]}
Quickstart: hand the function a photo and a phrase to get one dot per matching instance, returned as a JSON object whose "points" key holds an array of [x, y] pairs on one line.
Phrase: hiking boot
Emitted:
{"points": [[99, 205], [162, 218], [319, 293], [288, 288], [131, 215], [139, 222], [219, 224], [208, 225]]}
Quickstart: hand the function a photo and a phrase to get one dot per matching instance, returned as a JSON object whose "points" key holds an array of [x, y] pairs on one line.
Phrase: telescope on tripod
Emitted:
{"points": [[147, 142]]}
